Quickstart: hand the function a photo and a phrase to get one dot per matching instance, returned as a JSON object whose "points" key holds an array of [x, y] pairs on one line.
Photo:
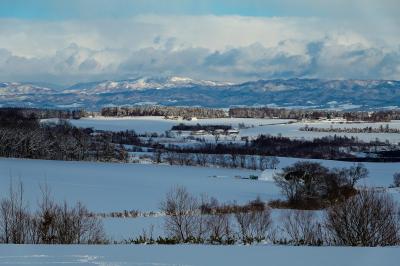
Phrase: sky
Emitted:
{"points": [[70, 41]]}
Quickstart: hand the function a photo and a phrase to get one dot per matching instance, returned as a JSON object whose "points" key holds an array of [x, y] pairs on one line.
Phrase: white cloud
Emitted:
{"points": [[209, 47]]}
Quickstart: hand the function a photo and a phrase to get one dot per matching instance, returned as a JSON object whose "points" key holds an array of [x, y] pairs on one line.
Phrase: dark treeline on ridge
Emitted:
{"points": [[330, 148], [200, 112], [263, 112], [42, 113], [24, 136], [155, 110], [250, 112]]}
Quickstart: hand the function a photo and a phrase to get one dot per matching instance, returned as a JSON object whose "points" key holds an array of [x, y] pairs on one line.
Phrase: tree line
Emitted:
{"points": [[299, 114], [199, 112], [24, 136], [167, 111], [211, 128], [46, 113], [381, 129], [330, 147], [232, 160]]}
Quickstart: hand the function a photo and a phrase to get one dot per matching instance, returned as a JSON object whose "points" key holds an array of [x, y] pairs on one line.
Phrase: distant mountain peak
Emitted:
{"points": [[141, 83]]}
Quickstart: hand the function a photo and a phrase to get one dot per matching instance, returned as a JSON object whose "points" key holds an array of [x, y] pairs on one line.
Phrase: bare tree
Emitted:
{"points": [[88, 228], [222, 160], [253, 224], [14, 216], [233, 156], [355, 173], [216, 137], [46, 216], [242, 161], [181, 210], [157, 156], [273, 162], [253, 162], [367, 219], [201, 159], [302, 227], [219, 228]]}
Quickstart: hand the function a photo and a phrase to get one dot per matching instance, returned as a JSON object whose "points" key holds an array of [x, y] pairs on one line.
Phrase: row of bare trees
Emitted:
{"points": [[168, 111], [45, 113], [51, 223], [250, 112], [282, 113], [232, 160], [187, 221], [329, 147], [370, 218], [380, 129]]}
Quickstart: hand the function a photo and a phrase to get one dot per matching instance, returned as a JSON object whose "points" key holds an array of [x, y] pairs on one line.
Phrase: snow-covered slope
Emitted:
{"points": [[142, 83], [15, 88]]}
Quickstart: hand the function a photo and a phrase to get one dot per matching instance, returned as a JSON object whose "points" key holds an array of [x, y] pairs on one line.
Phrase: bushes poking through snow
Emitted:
{"points": [[53, 223], [370, 218], [189, 220], [302, 228]]}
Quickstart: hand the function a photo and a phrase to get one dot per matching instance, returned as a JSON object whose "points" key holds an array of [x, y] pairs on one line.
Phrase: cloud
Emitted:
{"points": [[231, 48]]}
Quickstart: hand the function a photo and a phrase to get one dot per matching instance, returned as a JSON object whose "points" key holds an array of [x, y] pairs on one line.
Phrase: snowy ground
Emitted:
{"points": [[256, 126], [292, 131], [115, 186], [115, 255], [106, 187], [156, 124]]}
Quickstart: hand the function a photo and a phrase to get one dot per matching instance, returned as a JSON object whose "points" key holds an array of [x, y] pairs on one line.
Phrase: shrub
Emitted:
{"points": [[254, 225], [368, 219], [302, 228], [311, 184]]}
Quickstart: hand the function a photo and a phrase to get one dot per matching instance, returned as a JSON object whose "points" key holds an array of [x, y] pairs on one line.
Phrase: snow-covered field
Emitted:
{"points": [[116, 255], [115, 186], [256, 126], [292, 131], [159, 124], [106, 187]]}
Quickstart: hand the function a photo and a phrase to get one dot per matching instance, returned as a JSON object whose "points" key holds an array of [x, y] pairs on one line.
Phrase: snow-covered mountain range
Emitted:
{"points": [[182, 91], [142, 83]]}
